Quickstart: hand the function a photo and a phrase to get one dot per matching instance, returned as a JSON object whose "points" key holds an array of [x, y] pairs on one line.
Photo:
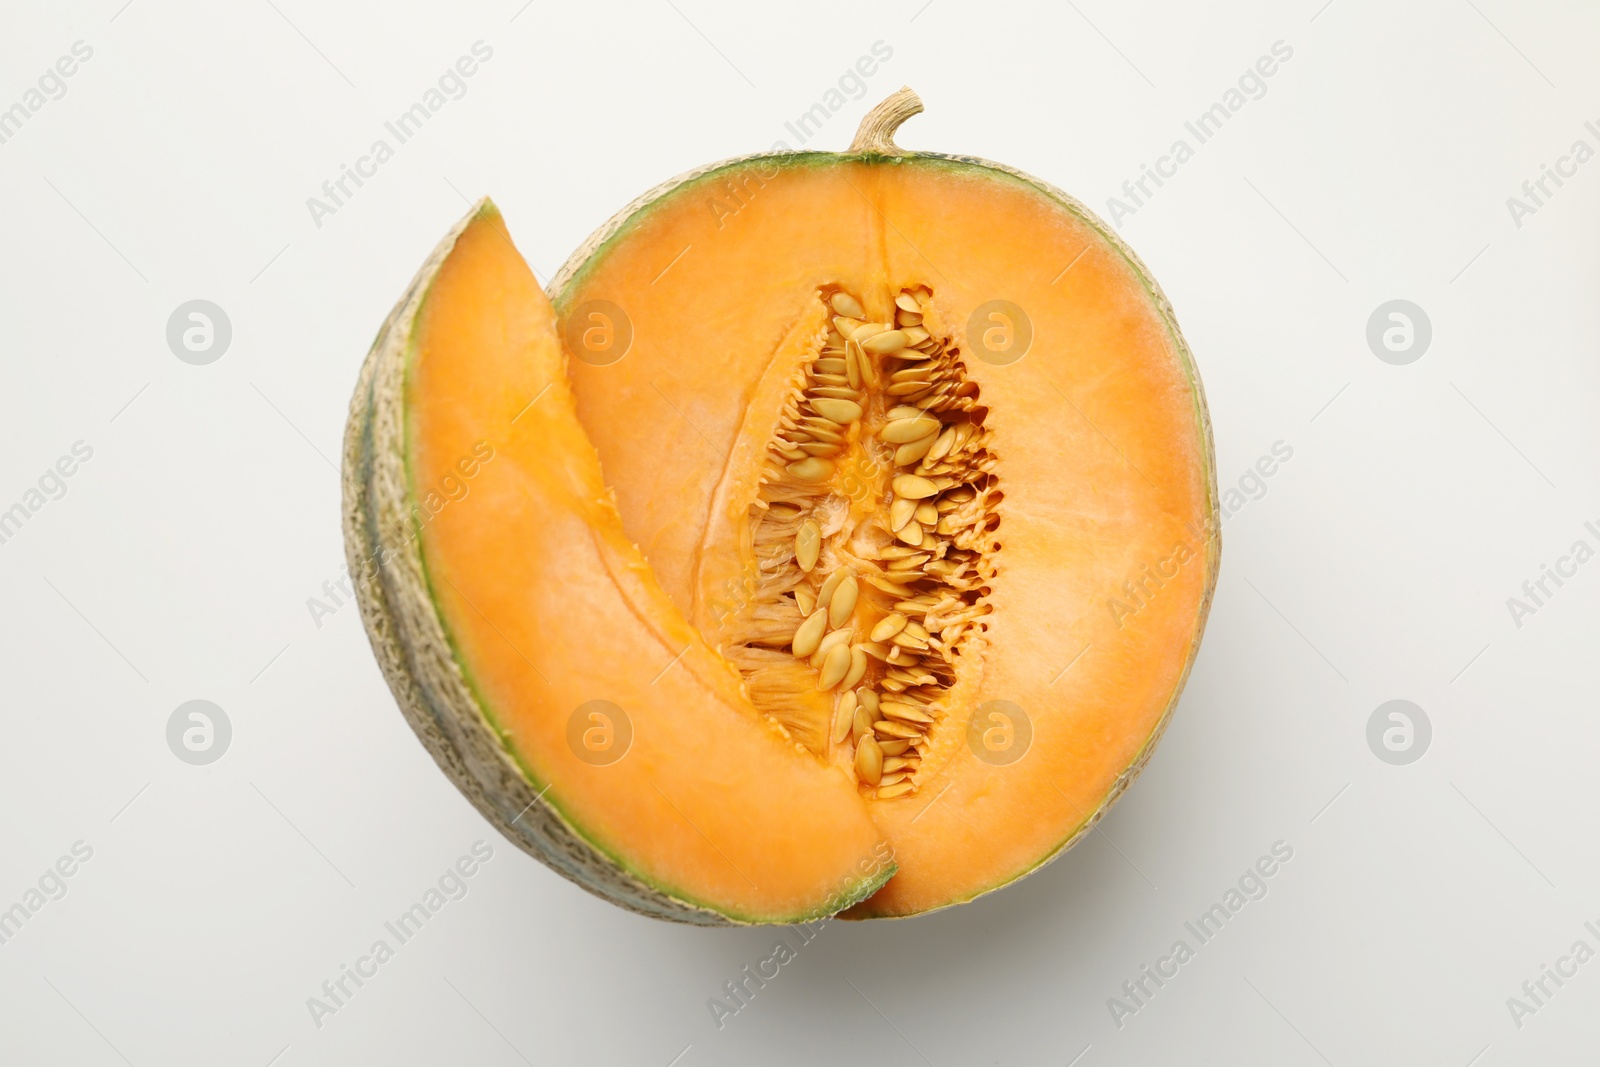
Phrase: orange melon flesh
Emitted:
{"points": [[548, 606], [1104, 460]]}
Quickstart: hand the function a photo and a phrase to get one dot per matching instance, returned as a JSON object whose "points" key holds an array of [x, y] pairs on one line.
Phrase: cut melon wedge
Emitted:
{"points": [[504, 600], [922, 470]]}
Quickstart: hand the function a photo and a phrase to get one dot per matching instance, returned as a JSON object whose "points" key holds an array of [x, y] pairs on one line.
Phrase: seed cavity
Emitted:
{"points": [[874, 542]]}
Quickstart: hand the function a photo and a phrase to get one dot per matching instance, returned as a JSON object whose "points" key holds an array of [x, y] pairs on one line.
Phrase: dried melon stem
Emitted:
{"points": [[871, 543]]}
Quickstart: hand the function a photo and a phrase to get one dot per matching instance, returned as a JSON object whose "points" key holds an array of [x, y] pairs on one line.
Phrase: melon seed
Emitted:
{"points": [[809, 635], [822, 429], [807, 544], [942, 446], [846, 305], [911, 487], [868, 368], [860, 724], [825, 594], [905, 712], [911, 641], [836, 410], [833, 639], [843, 601], [884, 343], [906, 455], [910, 534], [888, 626], [858, 666], [904, 431], [834, 667], [869, 761], [844, 716], [812, 469]]}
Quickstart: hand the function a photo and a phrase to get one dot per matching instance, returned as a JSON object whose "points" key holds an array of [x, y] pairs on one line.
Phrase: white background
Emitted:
{"points": [[1377, 566]]}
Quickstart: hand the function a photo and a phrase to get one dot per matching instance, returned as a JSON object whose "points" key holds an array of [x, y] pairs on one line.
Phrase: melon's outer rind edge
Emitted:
{"points": [[409, 641], [572, 270]]}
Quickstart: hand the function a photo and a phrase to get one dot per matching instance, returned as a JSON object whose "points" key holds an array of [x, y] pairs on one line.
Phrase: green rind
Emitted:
{"points": [[617, 228]]}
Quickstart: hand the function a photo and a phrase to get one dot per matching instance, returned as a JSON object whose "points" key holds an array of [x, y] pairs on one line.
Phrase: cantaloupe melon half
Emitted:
{"points": [[922, 476]]}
